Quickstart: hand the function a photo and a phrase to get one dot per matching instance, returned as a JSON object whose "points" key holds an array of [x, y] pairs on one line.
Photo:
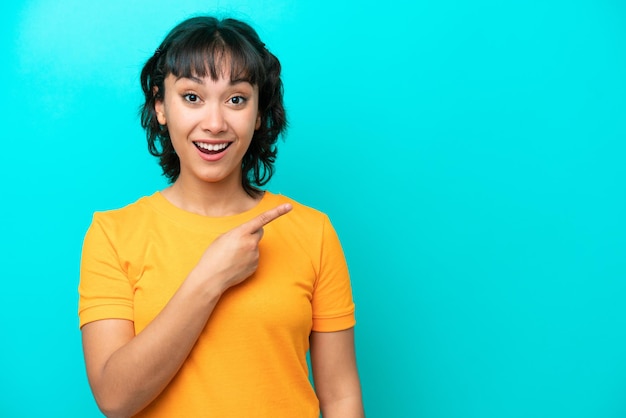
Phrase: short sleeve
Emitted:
{"points": [[104, 290], [333, 307]]}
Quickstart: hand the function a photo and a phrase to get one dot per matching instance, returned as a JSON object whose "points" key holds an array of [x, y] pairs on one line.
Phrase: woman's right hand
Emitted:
{"points": [[127, 371], [234, 255]]}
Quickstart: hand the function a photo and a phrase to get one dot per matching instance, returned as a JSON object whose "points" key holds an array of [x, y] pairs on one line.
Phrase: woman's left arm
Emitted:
{"points": [[337, 385]]}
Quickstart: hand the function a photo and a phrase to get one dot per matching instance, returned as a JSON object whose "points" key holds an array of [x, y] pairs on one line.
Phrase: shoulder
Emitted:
{"points": [[129, 215], [309, 223], [300, 211]]}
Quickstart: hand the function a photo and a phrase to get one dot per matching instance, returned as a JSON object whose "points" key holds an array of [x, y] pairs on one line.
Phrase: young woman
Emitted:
{"points": [[203, 299]]}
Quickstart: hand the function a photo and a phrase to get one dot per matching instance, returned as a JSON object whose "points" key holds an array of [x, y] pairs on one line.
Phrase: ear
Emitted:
{"points": [[258, 123], [159, 108]]}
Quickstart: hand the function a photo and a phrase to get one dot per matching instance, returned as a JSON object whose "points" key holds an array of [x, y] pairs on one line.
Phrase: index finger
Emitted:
{"points": [[263, 219]]}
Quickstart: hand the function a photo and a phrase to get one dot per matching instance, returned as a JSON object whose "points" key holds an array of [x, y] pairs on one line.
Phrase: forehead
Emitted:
{"points": [[215, 62]]}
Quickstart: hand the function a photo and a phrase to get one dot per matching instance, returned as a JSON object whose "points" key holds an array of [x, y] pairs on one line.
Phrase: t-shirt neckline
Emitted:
{"points": [[219, 224]]}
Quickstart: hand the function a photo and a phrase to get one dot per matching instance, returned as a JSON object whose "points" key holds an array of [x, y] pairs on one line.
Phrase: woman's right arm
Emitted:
{"points": [[126, 372]]}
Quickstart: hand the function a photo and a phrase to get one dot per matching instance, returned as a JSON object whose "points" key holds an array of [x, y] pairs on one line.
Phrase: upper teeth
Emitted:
{"points": [[212, 147]]}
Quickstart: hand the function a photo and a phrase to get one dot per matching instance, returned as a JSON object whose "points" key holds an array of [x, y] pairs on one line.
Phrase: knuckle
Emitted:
{"points": [[264, 218]]}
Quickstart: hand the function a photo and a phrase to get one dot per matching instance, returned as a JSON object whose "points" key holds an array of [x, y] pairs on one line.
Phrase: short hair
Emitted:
{"points": [[200, 47]]}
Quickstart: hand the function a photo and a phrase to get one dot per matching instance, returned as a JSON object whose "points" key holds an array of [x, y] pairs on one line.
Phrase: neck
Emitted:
{"points": [[210, 199]]}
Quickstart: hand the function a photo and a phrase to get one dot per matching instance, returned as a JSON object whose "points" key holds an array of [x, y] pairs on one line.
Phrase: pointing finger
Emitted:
{"points": [[263, 219]]}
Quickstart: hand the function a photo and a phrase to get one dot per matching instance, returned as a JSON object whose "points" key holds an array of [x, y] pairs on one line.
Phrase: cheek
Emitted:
{"points": [[180, 122]]}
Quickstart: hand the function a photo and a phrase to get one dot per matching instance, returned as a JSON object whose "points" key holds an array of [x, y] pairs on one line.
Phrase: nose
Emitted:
{"points": [[214, 121]]}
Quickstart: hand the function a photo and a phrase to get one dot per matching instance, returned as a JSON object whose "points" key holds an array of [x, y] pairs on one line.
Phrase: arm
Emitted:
{"points": [[126, 372], [337, 385]]}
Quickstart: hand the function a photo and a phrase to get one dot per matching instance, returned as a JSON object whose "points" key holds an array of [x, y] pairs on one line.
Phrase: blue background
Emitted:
{"points": [[469, 153]]}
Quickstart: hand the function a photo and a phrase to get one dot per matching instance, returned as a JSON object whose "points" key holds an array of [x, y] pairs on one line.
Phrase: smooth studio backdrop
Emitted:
{"points": [[469, 153]]}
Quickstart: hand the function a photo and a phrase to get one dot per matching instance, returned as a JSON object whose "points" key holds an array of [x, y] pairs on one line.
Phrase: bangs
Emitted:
{"points": [[222, 53]]}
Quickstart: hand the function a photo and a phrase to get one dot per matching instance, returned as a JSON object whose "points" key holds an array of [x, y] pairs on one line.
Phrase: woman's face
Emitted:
{"points": [[211, 124]]}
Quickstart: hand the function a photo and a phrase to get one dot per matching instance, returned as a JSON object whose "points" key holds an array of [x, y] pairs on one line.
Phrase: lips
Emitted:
{"points": [[211, 149]]}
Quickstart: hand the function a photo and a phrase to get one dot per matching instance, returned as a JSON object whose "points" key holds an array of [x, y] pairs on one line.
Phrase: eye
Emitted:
{"points": [[191, 98], [237, 100]]}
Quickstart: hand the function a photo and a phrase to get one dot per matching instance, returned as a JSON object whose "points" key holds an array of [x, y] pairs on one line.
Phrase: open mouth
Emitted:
{"points": [[211, 148]]}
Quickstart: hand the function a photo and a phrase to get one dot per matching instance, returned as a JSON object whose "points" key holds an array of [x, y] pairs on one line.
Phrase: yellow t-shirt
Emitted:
{"points": [[250, 360]]}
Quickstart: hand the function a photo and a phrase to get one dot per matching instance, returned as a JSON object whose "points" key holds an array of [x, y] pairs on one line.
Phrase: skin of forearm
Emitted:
{"points": [[138, 371], [348, 407]]}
